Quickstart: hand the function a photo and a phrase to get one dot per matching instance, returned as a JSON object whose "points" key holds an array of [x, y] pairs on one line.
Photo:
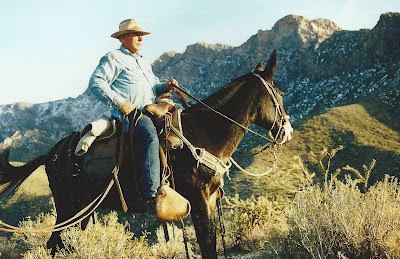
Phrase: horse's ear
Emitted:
{"points": [[269, 70], [259, 68]]}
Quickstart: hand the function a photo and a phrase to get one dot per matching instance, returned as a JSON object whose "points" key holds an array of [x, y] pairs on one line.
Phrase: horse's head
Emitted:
{"points": [[272, 115]]}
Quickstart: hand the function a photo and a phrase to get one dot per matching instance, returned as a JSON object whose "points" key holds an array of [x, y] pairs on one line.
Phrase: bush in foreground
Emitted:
{"points": [[339, 219], [255, 223], [343, 221], [107, 238]]}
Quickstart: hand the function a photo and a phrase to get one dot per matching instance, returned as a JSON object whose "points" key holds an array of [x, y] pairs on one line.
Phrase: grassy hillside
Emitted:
{"points": [[366, 131]]}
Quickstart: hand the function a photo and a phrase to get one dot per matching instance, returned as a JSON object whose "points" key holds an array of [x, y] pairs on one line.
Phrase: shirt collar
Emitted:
{"points": [[127, 52]]}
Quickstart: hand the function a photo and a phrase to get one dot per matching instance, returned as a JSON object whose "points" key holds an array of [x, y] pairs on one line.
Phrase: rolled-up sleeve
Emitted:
{"points": [[101, 80], [160, 89]]}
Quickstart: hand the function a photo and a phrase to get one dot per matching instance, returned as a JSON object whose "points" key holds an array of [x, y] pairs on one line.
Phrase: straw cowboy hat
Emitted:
{"points": [[128, 26]]}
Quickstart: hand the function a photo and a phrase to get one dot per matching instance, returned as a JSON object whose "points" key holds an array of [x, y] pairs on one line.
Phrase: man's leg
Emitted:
{"points": [[146, 138]]}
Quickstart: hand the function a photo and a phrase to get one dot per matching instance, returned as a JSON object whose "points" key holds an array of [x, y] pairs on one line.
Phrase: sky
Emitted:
{"points": [[49, 48]]}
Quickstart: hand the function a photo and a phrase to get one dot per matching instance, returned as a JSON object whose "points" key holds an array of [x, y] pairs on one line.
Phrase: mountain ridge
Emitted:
{"points": [[319, 66]]}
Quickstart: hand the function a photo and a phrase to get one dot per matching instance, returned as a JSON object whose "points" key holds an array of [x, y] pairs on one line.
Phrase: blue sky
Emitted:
{"points": [[50, 48]]}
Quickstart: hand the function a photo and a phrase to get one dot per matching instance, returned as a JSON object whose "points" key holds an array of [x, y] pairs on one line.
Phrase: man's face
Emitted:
{"points": [[132, 41]]}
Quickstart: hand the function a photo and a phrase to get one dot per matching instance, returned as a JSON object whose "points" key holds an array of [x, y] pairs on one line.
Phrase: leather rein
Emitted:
{"points": [[278, 110]]}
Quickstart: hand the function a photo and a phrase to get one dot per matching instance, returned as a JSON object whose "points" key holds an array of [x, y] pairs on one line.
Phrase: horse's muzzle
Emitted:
{"points": [[286, 133]]}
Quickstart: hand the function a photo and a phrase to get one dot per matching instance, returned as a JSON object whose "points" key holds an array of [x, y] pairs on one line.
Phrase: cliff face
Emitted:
{"points": [[204, 67], [319, 66]]}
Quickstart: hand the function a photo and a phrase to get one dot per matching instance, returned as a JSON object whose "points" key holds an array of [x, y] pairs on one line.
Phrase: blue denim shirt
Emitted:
{"points": [[122, 76]]}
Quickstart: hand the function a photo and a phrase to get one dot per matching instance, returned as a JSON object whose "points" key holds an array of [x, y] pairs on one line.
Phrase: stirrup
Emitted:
{"points": [[170, 205]]}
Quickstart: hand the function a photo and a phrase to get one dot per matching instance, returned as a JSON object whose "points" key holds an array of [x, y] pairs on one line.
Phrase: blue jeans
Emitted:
{"points": [[146, 139]]}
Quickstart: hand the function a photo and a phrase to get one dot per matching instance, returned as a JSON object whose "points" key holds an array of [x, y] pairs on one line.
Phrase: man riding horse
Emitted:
{"points": [[212, 129], [125, 81]]}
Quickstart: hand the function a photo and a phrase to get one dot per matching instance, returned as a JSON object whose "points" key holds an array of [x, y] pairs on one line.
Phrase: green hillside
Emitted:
{"points": [[366, 131]]}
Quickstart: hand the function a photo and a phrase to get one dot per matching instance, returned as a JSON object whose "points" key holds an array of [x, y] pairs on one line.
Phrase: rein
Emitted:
{"points": [[278, 110], [221, 114], [272, 139]]}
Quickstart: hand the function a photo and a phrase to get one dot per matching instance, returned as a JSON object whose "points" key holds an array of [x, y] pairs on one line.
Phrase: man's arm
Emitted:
{"points": [[100, 82]]}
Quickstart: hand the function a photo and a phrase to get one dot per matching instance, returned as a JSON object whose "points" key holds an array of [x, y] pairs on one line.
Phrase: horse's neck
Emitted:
{"points": [[207, 129]]}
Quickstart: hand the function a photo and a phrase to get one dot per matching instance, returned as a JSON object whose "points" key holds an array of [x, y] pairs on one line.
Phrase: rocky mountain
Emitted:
{"points": [[320, 66]]}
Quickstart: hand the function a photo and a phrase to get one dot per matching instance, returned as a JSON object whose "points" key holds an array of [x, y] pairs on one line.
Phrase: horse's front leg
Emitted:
{"points": [[55, 242], [203, 216]]}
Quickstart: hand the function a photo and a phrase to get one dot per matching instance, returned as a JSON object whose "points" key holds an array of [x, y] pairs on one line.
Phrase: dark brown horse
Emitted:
{"points": [[251, 98]]}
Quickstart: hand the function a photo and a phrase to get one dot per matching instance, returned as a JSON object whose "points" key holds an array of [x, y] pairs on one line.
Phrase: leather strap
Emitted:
{"points": [[117, 167]]}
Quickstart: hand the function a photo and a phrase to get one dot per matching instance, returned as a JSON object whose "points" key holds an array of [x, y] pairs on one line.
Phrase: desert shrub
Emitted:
{"points": [[175, 247], [44, 220], [8, 248], [107, 238], [254, 223], [23, 242], [345, 218]]}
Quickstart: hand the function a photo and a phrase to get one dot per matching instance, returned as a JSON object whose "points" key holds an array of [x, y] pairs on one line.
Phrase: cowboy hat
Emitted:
{"points": [[128, 26]]}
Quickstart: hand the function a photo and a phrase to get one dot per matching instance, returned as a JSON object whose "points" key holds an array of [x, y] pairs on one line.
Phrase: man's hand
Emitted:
{"points": [[171, 84], [127, 107]]}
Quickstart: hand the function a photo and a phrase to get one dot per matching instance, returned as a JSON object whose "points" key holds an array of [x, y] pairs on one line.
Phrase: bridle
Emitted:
{"points": [[278, 111]]}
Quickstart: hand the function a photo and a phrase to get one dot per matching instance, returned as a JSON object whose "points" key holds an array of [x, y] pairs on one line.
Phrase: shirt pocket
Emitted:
{"points": [[132, 72]]}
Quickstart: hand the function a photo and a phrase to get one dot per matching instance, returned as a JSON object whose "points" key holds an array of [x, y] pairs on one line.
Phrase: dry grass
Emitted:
{"points": [[254, 223], [175, 247], [345, 218], [107, 238], [342, 219], [357, 119]]}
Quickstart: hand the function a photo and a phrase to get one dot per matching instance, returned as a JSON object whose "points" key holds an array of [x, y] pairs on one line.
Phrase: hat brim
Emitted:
{"points": [[119, 33]]}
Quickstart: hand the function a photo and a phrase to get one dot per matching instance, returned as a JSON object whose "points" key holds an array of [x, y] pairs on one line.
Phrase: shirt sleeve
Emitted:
{"points": [[102, 78], [158, 88]]}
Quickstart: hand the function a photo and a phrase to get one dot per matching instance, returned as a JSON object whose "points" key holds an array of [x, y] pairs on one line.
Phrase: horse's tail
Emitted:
{"points": [[11, 177]]}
